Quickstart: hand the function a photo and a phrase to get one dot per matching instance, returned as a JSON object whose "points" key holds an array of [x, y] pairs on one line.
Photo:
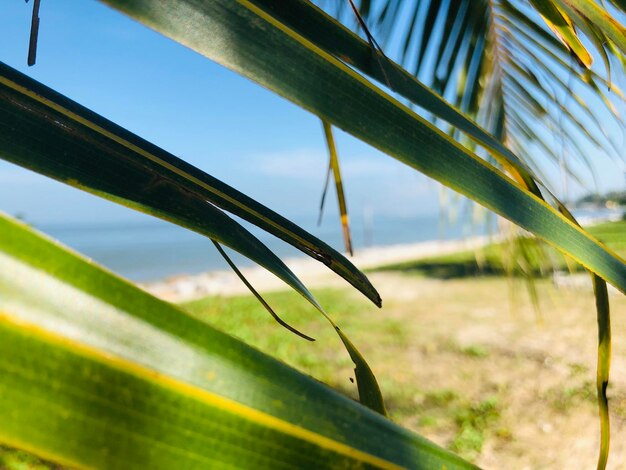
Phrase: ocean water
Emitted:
{"points": [[150, 249]]}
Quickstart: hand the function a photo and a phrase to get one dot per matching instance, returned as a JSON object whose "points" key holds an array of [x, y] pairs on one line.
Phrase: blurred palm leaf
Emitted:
{"points": [[333, 166], [500, 63]]}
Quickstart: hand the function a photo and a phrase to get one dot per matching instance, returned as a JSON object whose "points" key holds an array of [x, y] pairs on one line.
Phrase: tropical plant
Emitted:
{"points": [[498, 62], [83, 353]]}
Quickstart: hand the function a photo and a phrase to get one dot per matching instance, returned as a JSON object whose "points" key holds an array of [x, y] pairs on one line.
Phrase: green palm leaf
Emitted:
{"points": [[333, 166], [265, 50], [475, 64], [45, 132], [475, 52], [184, 396], [52, 135]]}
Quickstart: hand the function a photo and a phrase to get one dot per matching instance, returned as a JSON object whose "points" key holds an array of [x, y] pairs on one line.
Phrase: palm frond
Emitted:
{"points": [[97, 373], [497, 60]]}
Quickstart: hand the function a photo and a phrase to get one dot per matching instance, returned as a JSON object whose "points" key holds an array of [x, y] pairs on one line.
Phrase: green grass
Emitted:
{"points": [[475, 422], [523, 256], [476, 350], [245, 318], [468, 421], [564, 398]]}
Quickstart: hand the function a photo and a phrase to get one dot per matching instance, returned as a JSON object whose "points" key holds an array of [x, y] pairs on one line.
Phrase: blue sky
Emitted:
{"points": [[220, 122]]}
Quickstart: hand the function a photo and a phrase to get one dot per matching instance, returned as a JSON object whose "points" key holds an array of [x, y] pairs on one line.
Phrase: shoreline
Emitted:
{"points": [[311, 272], [314, 274]]}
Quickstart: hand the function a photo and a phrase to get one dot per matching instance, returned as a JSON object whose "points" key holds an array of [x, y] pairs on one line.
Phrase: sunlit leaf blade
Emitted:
{"points": [[52, 135], [563, 28], [341, 197], [184, 396], [369, 393], [601, 18], [33, 136], [603, 367], [264, 50]]}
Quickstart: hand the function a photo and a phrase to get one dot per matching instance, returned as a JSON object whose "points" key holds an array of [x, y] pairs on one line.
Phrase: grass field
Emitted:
{"points": [[468, 363], [450, 348], [389, 337]]}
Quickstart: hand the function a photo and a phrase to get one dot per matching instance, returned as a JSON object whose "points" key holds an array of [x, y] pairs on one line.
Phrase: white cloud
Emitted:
{"points": [[304, 163], [373, 180], [298, 164]]}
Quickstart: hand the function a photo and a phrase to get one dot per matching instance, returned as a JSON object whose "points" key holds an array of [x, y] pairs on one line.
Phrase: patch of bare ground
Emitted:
{"points": [[474, 367]]}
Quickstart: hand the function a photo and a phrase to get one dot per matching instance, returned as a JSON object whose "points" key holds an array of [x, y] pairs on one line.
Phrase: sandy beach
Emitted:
{"points": [[314, 274], [311, 272]]}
